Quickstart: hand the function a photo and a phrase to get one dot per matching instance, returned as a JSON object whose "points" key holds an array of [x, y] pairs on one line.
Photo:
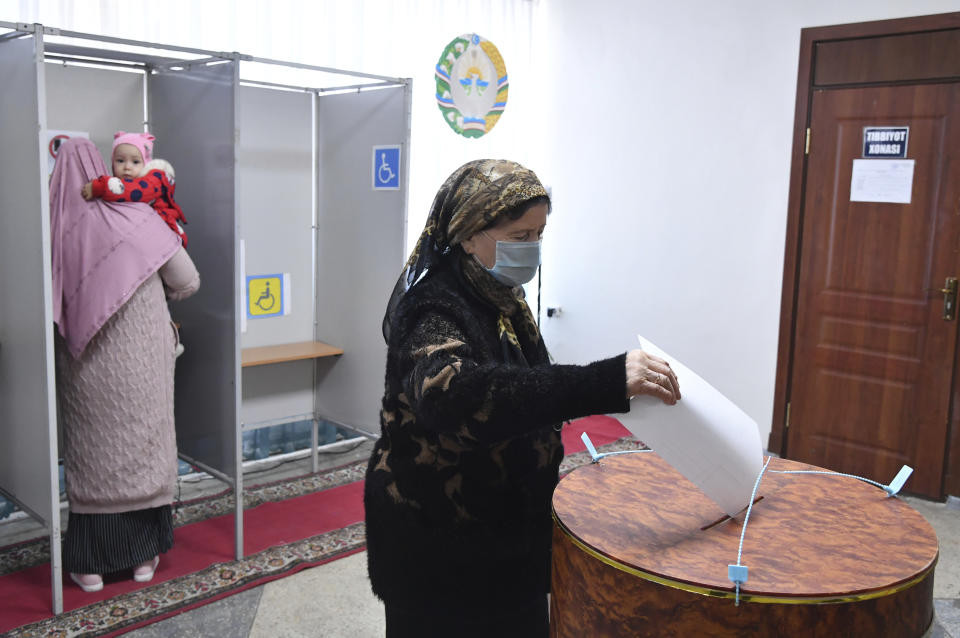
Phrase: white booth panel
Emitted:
{"points": [[28, 453], [97, 101], [361, 248], [193, 115], [276, 392], [275, 182]]}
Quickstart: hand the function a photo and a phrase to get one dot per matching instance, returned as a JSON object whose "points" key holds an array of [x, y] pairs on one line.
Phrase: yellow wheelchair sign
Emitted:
{"points": [[264, 296]]}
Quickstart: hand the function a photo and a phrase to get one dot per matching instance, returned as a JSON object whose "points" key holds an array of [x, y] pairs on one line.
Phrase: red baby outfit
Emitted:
{"points": [[153, 188]]}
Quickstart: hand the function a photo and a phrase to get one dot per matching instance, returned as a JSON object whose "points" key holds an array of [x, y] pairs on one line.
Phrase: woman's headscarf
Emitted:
{"points": [[101, 251], [475, 196]]}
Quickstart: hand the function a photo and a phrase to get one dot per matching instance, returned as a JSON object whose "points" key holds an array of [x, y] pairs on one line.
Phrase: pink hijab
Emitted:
{"points": [[101, 251]]}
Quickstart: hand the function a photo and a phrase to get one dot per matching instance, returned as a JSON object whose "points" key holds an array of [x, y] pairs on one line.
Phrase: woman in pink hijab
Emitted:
{"points": [[114, 267]]}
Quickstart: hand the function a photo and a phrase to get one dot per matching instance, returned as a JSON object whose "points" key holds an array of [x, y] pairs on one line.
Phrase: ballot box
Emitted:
{"points": [[639, 551]]}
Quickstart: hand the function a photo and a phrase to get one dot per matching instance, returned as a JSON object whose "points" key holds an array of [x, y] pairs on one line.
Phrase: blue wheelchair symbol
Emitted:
{"points": [[386, 167]]}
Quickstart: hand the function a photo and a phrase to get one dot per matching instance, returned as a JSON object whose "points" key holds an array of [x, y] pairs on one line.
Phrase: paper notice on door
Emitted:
{"points": [[704, 436], [883, 181]]}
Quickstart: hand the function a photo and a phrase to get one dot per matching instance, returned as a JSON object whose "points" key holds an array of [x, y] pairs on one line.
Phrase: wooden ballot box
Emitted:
{"points": [[638, 550]]}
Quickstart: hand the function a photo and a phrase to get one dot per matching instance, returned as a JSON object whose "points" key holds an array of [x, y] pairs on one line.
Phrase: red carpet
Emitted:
{"points": [[600, 429], [25, 595]]}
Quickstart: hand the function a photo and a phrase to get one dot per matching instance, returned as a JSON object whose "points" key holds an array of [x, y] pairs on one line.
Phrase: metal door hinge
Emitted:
{"points": [[806, 147]]}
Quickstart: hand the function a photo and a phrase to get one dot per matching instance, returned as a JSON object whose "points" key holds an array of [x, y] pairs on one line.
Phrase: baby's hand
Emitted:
{"points": [[87, 191]]}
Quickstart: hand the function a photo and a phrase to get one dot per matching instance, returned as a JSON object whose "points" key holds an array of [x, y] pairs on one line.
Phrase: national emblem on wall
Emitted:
{"points": [[471, 85]]}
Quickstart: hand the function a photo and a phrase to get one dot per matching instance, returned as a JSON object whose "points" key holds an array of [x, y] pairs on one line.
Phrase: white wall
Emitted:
{"points": [[667, 143]]}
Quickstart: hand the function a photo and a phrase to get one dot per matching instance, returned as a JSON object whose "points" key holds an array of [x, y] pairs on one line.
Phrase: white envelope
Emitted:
{"points": [[704, 436]]}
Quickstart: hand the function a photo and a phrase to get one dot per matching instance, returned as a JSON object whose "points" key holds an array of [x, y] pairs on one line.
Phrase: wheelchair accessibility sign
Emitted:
{"points": [[386, 168], [264, 296]]}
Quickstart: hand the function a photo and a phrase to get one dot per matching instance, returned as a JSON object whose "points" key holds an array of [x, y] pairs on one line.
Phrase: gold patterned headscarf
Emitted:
{"points": [[474, 197]]}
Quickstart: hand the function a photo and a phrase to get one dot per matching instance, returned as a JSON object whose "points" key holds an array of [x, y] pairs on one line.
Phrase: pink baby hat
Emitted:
{"points": [[143, 142]]}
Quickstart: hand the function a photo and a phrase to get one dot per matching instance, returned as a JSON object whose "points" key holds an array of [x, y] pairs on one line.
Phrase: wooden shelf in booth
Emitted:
{"points": [[265, 355]]}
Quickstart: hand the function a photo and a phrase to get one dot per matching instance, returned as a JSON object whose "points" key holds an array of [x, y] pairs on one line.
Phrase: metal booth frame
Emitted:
{"points": [[29, 465]]}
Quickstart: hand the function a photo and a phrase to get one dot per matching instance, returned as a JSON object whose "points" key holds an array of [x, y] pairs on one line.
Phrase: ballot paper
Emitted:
{"points": [[704, 436]]}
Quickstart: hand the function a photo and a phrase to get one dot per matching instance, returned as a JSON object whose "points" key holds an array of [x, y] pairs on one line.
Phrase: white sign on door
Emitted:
{"points": [[883, 181]]}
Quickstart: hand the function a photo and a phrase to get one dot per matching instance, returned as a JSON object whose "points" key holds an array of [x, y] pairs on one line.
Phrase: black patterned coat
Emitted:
{"points": [[458, 487]]}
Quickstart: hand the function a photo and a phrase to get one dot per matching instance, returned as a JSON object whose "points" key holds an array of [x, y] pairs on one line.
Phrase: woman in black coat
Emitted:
{"points": [[458, 487]]}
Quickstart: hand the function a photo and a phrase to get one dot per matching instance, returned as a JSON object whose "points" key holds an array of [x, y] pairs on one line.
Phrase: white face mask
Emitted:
{"points": [[517, 262]]}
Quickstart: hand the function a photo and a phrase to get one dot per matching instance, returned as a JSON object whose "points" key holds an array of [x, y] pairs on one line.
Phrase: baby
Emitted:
{"points": [[139, 178]]}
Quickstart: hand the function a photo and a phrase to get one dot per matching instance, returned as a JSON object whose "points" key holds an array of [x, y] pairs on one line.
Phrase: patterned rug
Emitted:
{"points": [[149, 604], [37, 551]]}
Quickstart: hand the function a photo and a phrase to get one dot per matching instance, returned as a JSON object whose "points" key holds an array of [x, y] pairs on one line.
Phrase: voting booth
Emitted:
{"points": [[290, 175]]}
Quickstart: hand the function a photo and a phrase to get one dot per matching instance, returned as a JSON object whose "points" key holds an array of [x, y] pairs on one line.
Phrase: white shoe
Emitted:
{"points": [[88, 582], [143, 573], [178, 349]]}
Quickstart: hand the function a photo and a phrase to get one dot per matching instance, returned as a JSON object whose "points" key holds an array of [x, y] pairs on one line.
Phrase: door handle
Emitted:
{"points": [[949, 291]]}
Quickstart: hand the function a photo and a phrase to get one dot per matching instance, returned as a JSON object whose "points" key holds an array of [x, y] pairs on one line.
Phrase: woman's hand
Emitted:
{"points": [[87, 191], [647, 374]]}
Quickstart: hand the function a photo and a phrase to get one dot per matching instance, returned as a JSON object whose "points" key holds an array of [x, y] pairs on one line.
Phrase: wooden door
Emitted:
{"points": [[872, 367]]}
